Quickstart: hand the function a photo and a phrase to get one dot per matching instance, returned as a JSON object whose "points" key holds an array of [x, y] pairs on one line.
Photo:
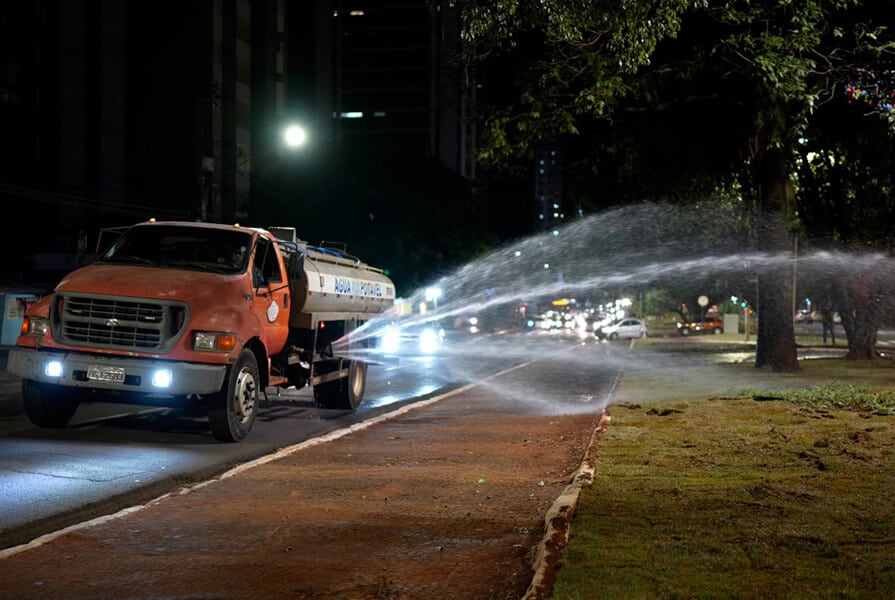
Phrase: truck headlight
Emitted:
{"points": [[214, 341], [35, 327]]}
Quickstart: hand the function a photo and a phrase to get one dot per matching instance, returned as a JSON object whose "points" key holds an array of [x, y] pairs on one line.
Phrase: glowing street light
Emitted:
{"points": [[295, 136], [432, 295]]}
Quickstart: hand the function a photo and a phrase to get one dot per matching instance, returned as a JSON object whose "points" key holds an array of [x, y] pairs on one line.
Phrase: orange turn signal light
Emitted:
{"points": [[226, 343]]}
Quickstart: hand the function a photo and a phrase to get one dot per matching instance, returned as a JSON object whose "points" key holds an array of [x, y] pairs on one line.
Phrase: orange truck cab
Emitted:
{"points": [[199, 315]]}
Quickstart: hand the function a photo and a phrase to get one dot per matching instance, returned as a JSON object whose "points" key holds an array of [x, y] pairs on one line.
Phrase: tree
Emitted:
{"points": [[846, 203], [767, 64]]}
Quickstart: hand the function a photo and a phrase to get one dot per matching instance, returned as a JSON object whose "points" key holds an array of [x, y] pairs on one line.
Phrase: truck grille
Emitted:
{"points": [[119, 323]]}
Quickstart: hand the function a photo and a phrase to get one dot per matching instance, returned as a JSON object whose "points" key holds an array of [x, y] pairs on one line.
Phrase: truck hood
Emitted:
{"points": [[148, 282]]}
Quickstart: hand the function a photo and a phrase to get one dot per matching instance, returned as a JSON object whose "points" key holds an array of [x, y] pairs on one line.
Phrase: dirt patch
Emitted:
{"points": [[445, 502]]}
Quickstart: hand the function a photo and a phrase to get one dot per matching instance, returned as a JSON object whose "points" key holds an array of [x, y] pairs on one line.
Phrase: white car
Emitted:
{"points": [[623, 328]]}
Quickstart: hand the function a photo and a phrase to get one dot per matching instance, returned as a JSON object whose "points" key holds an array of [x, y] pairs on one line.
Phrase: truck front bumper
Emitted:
{"points": [[125, 374]]}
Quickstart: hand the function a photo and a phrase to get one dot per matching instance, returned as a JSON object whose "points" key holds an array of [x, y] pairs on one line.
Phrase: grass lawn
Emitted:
{"points": [[783, 494]]}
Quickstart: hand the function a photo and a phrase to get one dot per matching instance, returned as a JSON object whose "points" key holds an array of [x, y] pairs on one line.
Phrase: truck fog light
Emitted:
{"points": [[53, 368], [162, 378]]}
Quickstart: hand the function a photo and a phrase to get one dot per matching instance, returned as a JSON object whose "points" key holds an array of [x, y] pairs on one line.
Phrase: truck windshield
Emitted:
{"points": [[181, 247]]}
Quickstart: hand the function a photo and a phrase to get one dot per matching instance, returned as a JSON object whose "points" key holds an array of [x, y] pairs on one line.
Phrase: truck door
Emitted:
{"points": [[271, 302]]}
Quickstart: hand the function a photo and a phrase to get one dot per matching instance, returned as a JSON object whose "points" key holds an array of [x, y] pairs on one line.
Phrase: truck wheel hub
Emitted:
{"points": [[245, 396]]}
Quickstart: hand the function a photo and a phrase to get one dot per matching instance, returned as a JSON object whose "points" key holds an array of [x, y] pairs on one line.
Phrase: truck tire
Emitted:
{"points": [[49, 405], [232, 411], [345, 393]]}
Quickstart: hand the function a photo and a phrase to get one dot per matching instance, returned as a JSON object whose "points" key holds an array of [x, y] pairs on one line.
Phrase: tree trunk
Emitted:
{"points": [[776, 343], [860, 307]]}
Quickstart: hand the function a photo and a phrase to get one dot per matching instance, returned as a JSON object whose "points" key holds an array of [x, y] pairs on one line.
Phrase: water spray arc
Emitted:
{"points": [[633, 248]]}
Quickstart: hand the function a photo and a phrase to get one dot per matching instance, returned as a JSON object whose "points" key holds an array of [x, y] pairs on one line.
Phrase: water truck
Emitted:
{"points": [[199, 316]]}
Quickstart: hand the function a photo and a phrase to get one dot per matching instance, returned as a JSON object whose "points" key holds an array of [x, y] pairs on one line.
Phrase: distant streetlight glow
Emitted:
{"points": [[295, 136], [432, 295]]}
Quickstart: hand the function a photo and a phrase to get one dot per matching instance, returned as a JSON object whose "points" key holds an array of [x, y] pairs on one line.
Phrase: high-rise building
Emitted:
{"points": [[382, 74], [114, 112], [548, 186]]}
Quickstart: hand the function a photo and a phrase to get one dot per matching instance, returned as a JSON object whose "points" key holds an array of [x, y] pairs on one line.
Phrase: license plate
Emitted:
{"points": [[115, 374]]}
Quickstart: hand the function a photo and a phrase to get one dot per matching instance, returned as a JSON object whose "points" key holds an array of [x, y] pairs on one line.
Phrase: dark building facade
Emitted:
{"points": [[381, 74], [117, 111]]}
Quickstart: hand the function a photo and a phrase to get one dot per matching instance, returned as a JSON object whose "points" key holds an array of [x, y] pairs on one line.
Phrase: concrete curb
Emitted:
{"points": [[558, 520]]}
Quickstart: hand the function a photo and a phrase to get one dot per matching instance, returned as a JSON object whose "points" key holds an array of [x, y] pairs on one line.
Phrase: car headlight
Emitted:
{"points": [[390, 340], [429, 340]]}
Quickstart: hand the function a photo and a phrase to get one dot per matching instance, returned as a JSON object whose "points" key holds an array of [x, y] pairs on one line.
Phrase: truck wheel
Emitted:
{"points": [[718, 331], [49, 405], [232, 411], [345, 393], [685, 331]]}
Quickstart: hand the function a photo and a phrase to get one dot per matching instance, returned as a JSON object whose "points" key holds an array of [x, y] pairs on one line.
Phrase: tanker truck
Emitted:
{"points": [[199, 316]]}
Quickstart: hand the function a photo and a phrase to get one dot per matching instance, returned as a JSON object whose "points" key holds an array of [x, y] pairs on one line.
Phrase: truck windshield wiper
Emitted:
{"points": [[224, 268], [129, 258]]}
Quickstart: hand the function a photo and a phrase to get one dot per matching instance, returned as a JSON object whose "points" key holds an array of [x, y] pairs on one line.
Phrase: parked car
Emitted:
{"points": [[623, 328], [806, 316], [706, 325]]}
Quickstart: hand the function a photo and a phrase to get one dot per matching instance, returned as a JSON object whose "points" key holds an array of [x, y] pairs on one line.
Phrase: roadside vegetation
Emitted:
{"points": [[782, 490], [859, 398]]}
